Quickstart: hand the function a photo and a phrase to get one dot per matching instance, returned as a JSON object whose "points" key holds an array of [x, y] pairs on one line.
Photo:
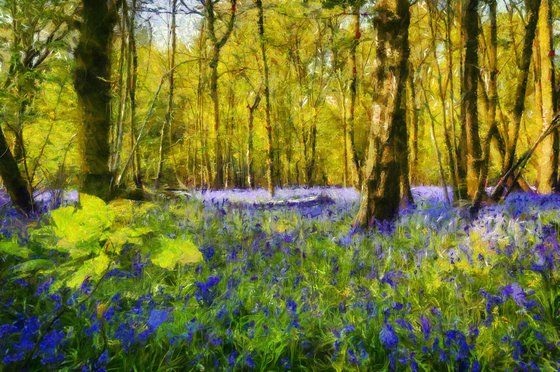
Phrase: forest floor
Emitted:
{"points": [[225, 280]]}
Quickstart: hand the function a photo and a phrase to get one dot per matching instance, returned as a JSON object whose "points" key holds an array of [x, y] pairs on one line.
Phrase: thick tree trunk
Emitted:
{"points": [[381, 190], [92, 81], [12, 179], [492, 104], [548, 157], [471, 153]]}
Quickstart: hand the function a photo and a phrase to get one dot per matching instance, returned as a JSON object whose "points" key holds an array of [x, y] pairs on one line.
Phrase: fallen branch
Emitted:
{"points": [[522, 161]]}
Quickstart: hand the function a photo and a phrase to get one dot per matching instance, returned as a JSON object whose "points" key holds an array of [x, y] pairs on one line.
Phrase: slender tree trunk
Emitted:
{"points": [[250, 166], [132, 83], [451, 104], [521, 88], [92, 81], [548, 155], [413, 108], [442, 92], [164, 135], [217, 45], [266, 80], [353, 95], [122, 93], [435, 144], [381, 189]]}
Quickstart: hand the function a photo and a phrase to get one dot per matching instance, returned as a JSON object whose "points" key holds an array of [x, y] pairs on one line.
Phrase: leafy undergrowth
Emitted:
{"points": [[209, 284]]}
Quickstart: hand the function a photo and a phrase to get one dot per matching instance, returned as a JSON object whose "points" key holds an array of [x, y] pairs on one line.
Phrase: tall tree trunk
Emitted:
{"points": [[250, 167], [548, 157], [132, 83], [381, 189], [442, 91], [266, 81], [164, 135], [492, 103], [13, 181], [217, 45], [413, 108], [92, 81], [451, 111], [353, 95], [122, 93], [521, 88], [471, 153]]}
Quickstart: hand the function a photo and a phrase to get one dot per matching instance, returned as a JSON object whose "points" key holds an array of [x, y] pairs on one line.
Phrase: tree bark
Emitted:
{"points": [[164, 135], [92, 81], [217, 45], [548, 155], [381, 190], [266, 81], [522, 77], [132, 83], [354, 93], [13, 181], [471, 151]]}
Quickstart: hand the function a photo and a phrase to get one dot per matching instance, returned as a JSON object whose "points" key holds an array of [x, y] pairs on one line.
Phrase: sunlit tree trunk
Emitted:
{"points": [[544, 53], [381, 190], [164, 135], [354, 93], [217, 45], [92, 81], [471, 151], [132, 83], [492, 103], [521, 88], [442, 93], [266, 82]]}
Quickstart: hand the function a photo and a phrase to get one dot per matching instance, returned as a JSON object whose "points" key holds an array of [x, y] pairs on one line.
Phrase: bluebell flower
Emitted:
{"points": [[388, 337], [49, 347], [157, 318], [514, 291], [103, 358], [250, 362], [44, 287], [425, 326], [125, 333]]}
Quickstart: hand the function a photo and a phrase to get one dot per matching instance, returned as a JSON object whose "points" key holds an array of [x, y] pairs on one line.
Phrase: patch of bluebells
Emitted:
{"points": [[301, 281]]}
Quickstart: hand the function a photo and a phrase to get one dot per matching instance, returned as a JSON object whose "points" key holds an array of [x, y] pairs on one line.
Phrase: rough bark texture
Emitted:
{"points": [[12, 179], [470, 152], [381, 189], [492, 103], [548, 158], [92, 81]]}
